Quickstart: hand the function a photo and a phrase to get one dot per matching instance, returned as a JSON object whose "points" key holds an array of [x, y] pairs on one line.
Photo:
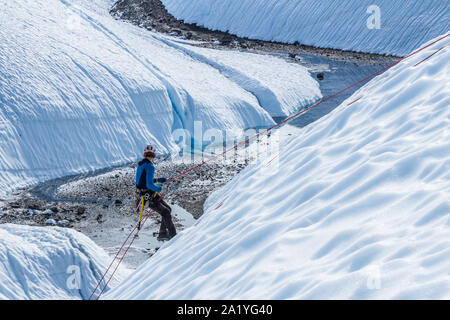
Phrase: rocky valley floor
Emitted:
{"points": [[101, 204]]}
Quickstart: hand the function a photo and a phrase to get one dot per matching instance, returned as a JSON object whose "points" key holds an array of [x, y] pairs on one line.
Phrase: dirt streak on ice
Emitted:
{"points": [[101, 204]]}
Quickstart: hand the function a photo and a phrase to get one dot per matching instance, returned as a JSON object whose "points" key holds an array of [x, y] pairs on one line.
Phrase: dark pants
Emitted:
{"points": [[160, 206], [167, 226]]}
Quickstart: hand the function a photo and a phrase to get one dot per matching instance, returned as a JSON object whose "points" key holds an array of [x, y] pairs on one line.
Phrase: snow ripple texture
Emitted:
{"points": [[50, 263], [326, 23], [80, 90], [357, 206]]}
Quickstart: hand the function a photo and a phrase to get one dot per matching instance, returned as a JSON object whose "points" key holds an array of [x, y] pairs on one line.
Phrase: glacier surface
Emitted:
{"points": [[80, 90], [356, 207], [50, 263], [404, 25]]}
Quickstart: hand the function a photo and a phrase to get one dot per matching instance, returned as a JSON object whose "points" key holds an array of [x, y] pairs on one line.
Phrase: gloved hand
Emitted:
{"points": [[162, 193], [162, 180]]}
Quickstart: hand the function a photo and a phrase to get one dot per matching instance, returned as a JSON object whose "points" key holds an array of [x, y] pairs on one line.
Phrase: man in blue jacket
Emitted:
{"points": [[147, 194]]}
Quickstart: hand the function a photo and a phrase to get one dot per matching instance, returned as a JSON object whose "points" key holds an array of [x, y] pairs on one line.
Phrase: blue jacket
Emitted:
{"points": [[145, 176]]}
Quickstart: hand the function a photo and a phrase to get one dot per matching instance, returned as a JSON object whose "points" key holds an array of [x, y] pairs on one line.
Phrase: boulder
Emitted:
{"points": [[50, 222], [48, 212], [63, 223]]}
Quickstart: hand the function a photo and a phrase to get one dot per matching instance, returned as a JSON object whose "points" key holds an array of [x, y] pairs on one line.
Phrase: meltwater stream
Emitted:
{"points": [[337, 75]]}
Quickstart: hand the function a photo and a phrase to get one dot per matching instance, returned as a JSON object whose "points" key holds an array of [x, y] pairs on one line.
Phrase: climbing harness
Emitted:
{"points": [[139, 225]]}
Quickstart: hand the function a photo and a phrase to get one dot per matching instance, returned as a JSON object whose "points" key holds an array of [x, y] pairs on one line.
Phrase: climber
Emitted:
{"points": [[147, 194]]}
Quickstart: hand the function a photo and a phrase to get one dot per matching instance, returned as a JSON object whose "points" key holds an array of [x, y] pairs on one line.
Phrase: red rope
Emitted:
{"points": [[104, 274], [429, 56], [354, 101], [309, 108], [261, 133], [272, 160], [121, 259]]}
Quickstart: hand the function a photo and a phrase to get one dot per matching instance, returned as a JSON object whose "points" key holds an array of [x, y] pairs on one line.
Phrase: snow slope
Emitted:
{"points": [[49, 263], [80, 90], [327, 23], [357, 206], [279, 94]]}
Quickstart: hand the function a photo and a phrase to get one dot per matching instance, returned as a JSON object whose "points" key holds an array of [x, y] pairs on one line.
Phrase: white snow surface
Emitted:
{"points": [[80, 90], [43, 263], [357, 207], [326, 23], [279, 95]]}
